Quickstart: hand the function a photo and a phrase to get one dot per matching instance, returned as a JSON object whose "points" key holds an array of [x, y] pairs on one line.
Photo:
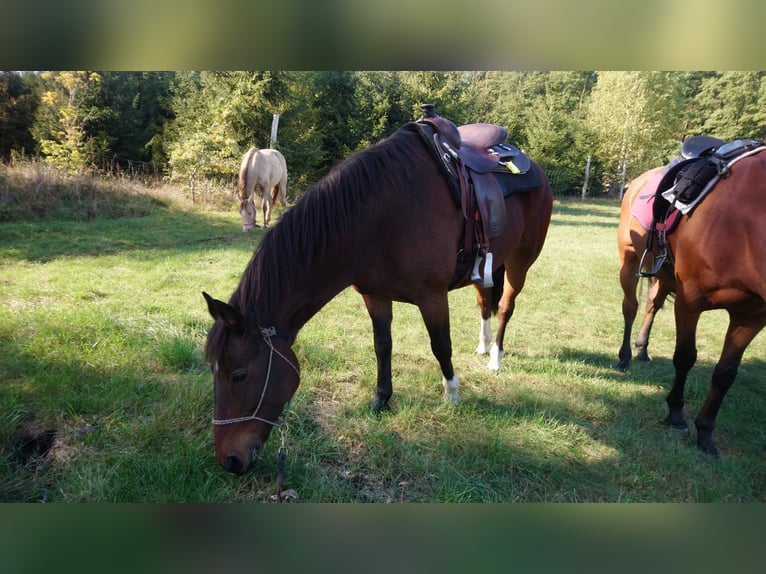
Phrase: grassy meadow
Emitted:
{"points": [[105, 395]]}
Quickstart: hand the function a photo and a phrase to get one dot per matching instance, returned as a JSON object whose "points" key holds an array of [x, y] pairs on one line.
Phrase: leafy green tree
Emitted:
{"points": [[553, 123], [130, 109], [62, 116], [18, 102], [634, 117], [218, 116], [332, 105], [445, 89], [382, 105], [730, 105]]}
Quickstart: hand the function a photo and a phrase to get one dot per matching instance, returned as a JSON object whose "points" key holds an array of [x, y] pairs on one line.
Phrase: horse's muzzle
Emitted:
{"points": [[234, 464]]}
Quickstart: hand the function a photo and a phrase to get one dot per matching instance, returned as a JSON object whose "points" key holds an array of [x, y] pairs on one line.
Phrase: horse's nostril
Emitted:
{"points": [[233, 463]]}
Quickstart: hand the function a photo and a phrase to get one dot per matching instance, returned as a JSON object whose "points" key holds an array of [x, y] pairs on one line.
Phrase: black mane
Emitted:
{"points": [[333, 207]]}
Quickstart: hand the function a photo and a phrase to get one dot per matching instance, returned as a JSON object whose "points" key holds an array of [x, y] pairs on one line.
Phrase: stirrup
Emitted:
{"points": [[658, 263], [483, 279]]}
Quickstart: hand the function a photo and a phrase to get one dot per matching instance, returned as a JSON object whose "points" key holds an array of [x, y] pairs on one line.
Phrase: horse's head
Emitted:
{"points": [[247, 211], [255, 373]]}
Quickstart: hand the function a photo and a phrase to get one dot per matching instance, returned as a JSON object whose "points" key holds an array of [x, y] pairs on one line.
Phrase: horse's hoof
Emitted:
{"points": [[706, 445], [379, 405], [680, 428], [622, 366]]}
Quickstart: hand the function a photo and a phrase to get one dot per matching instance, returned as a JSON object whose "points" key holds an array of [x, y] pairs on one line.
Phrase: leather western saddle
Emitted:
{"points": [[471, 156]]}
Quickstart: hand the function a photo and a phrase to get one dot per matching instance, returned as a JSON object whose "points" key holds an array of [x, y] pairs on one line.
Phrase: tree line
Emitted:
{"points": [[194, 126]]}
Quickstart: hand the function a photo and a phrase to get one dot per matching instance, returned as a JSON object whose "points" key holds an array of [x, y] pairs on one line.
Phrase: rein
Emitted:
{"points": [[267, 333]]}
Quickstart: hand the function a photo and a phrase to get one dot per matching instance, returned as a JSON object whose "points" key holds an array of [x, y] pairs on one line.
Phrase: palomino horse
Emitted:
{"points": [[263, 172], [384, 221], [718, 250], [632, 235]]}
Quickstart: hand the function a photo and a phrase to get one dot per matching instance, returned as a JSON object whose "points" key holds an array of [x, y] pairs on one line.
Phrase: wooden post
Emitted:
{"points": [[587, 176], [274, 127]]}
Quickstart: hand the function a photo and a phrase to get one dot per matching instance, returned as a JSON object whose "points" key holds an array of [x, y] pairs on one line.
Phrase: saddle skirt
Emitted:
{"points": [[481, 169]]}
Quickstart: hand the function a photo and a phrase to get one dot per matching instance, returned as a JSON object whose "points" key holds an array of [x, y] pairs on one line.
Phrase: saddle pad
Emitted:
{"points": [[514, 183], [643, 206]]}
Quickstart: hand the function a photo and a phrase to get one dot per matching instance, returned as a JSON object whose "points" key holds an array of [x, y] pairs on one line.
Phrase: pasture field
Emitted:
{"points": [[105, 395]]}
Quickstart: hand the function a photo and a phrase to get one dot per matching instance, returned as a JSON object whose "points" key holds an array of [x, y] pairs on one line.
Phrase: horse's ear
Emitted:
{"points": [[226, 313]]}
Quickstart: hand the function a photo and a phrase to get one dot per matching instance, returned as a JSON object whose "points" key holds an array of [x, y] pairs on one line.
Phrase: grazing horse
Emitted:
{"points": [[717, 253], [632, 236], [385, 222], [263, 172]]}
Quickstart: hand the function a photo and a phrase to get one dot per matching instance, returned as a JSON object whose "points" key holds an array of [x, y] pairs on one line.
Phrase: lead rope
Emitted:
{"points": [[282, 455]]}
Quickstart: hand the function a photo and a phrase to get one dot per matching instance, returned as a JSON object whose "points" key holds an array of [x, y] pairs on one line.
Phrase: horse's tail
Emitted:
{"points": [[242, 182], [498, 280]]}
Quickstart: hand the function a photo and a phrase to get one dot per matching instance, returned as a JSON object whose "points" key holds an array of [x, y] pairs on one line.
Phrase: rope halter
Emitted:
{"points": [[267, 333]]}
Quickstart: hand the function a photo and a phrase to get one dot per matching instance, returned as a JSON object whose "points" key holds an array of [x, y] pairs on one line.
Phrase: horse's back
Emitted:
{"points": [[264, 168], [720, 246]]}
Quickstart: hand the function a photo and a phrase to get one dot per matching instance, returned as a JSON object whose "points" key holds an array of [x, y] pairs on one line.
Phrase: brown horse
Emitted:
{"points": [[631, 242], [384, 221], [719, 249]]}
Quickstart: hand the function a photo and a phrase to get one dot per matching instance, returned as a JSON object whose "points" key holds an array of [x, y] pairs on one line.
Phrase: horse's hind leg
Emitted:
{"points": [[435, 315], [629, 283], [658, 292], [513, 283], [684, 357], [268, 205], [742, 329], [381, 313], [282, 193], [484, 300]]}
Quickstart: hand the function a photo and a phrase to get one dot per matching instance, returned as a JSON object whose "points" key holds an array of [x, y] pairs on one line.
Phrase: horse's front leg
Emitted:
{"points": [[381, 313], [742, 329], [435, 315]]}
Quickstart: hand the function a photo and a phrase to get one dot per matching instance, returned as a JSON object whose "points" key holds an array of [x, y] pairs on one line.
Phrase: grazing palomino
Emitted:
{"points": [[264, 173], [388, 220]]}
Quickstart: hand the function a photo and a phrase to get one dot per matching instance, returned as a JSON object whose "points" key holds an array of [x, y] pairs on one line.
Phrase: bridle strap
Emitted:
{"points": [[267, 333]]}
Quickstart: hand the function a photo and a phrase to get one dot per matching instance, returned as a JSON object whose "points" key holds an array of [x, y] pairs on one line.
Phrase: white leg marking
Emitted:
{"points": [[485, 337], [495, 354], [450, 389]]}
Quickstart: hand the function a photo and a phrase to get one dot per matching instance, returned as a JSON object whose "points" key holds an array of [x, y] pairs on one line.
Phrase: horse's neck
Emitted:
{"points": [[307, 293]]}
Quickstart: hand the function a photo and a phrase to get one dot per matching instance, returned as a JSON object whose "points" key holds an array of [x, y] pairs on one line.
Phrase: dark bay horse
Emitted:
{"points": [[719, 250], [384, 221], [632, 236]]}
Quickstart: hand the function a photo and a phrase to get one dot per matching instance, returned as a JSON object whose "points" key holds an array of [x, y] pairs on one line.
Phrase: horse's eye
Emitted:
{"points": [[238, 377]]}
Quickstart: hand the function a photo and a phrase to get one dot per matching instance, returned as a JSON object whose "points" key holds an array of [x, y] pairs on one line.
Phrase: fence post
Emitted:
{"points": [[587, 176], [274, 127]]}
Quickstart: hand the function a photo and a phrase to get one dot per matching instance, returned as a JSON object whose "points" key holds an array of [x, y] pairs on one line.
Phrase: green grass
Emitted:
{"points": [[104, 394]]}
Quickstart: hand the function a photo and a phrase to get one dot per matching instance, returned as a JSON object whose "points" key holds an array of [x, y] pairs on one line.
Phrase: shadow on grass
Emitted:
{"points": [[163, 229]]}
